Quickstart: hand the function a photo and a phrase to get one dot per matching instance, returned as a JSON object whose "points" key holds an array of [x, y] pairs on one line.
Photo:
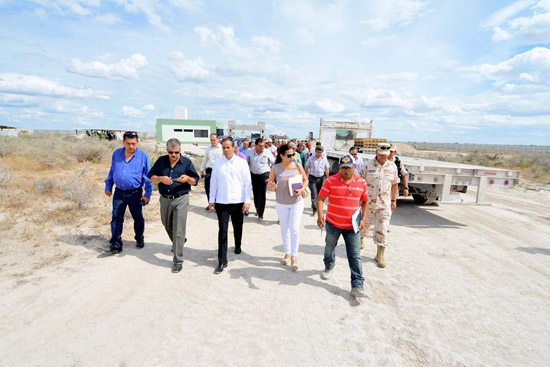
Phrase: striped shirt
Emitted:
{"points": [[316, 166], [343, 199]]}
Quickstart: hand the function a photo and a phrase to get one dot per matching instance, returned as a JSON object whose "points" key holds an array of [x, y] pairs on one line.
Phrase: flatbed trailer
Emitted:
{"points": [[436, 181]]}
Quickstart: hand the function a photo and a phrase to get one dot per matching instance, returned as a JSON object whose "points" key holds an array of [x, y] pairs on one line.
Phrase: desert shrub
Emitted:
{"points": [[5, 175], [79, 190], [45, 187]]}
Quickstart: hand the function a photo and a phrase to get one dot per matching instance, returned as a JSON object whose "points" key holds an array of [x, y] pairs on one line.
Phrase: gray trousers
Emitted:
{"points": [[173, 214]]}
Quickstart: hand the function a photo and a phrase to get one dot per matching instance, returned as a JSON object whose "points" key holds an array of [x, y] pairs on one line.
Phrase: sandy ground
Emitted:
{"points": [[465, 286]]}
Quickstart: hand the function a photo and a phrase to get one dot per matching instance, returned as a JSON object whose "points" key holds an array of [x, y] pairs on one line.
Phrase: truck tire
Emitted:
{"points": [[419, 199]]}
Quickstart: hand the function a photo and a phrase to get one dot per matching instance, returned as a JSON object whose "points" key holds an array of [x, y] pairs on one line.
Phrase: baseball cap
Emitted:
{"points": [[393, 148], [347, 161], [383, 149]]}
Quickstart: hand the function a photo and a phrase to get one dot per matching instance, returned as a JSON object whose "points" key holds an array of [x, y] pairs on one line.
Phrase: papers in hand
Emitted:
{"points": [[294, 184], [356, 219]]}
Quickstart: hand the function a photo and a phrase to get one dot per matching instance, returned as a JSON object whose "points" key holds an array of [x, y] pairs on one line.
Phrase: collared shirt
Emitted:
{"points": [[245, 151], [129, 175], [380, 179], [210, 156], [230, 182], [358, 164], [240, 155], [183, 166], [316, 166], [273, 150], [343, 199], [260, 163]]}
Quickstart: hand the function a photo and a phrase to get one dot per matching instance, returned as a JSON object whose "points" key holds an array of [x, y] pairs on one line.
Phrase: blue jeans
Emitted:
{"points": [[353, 252], [121, 200]]}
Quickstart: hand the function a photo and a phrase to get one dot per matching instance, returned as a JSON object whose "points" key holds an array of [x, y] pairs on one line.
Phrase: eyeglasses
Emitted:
{"points": [[290, 155], [176, 153]]}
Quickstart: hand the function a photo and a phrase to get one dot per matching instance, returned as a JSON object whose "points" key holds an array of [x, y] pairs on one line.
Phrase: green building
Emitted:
{"points": [[188, 131]]}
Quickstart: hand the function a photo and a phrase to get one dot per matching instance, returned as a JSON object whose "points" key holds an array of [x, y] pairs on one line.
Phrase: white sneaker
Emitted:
{"points": [[326, 274], [358, 292]]}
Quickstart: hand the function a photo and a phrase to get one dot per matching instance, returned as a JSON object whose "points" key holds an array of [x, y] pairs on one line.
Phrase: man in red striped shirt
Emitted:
{"points": [[344, 191]]}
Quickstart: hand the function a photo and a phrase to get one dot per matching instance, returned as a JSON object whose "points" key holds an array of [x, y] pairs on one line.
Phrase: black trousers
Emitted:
{"points": [[224, 212], [259, 189], [207, 175], [315, 185]]}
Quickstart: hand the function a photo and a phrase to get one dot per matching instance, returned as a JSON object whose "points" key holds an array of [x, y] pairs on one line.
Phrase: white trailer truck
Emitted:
{"points": [[429, 180]]}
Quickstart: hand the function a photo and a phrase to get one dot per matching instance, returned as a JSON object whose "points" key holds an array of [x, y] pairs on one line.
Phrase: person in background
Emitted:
{"points": [[401, 171], [244, 149], [289, 207], [317, 171], [271, 147], [382, 181], [358, 160], [344, 191], [230, 194], [213, 152], [301, 154], [174, 174], [238, 152], [260, 161], [129, 168]]}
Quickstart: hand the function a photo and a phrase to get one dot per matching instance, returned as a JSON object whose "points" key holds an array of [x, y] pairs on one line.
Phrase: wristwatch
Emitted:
{"points": [[405, 188]]}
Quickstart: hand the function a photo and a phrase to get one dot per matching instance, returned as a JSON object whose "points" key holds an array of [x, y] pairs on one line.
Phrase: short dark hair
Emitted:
{"points": [[229, 139], [258, 141], [319, 148], [318, 143], [216, 135], [352, 148], [130, 135]]}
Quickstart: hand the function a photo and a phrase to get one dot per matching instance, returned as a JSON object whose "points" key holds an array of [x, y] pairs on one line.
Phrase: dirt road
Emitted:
{"points": [[465, 286]]}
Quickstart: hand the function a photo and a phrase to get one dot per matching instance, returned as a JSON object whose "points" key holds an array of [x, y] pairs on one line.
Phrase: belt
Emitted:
{"points": [[172, 197], [132, 190], [208, 170], [259, 174], [316, 176]]}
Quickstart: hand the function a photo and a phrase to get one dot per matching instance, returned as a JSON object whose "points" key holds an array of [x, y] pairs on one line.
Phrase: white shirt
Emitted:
{"points": [[273, 150], [210, 156], [260, 163], [230, 182]]}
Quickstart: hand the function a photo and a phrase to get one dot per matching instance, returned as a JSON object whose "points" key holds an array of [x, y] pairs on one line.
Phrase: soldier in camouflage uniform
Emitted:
{"points": [[382, 182]]}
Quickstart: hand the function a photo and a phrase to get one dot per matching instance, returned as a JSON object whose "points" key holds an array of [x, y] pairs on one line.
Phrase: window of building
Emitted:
{"points": [[188, 130], [177, 130], [201, 133]]}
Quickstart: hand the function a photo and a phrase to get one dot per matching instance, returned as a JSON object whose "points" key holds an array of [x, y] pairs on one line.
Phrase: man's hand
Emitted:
{"points": [[166, 180], [321, 221], [183, 179], [212, 207], [108, 193], [362, 224], [246, 206], [406, 192], [202, 174], [145, 199], [393, 205]]}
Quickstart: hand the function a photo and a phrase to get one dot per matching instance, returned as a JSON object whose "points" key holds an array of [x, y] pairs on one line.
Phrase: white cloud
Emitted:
{"points": [[191, 70], [17, 100], [148, 107], [266, 44], [109, 18], [17, 83], [79, 7], [131, 111], [398, 77], [378, 40], [531, 29], [532, 65], [394, 12], [124, 69], [224, 38], [327, 106]]}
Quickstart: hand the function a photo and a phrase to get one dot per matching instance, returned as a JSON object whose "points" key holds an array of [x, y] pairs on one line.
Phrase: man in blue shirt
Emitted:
{"points": [[129, 168], [174, 175]]}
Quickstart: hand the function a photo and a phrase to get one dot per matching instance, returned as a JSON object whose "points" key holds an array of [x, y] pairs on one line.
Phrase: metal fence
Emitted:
{"points": [[484, 147]]}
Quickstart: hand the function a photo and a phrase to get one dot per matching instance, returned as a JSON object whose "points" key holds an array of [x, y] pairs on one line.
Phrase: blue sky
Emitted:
{"points": [[444, 71]]}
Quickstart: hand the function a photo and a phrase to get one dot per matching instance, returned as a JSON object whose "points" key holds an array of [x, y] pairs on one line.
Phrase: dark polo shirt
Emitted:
{"points": [[184, 166]]}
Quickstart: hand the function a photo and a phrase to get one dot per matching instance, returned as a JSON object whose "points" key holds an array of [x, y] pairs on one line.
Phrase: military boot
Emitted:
{"points": [[380, 257]]}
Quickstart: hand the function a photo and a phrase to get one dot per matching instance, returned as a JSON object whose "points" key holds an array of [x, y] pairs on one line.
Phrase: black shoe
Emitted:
{"points": [[207, 207], [220, 268], [140, 244], [246, 213], [109, 251], [176, 268], [238, 250]]}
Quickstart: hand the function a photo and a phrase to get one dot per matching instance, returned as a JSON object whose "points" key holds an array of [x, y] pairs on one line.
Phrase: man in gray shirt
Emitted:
{"points": [[260, 161]]}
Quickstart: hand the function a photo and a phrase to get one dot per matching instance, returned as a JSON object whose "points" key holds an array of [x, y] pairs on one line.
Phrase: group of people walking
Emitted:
{"points": [[231, 180]]}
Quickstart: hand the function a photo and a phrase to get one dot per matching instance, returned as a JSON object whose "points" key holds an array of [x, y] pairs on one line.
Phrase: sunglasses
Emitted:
{"points": [[176, 153], [290, 155], [384, 148], [130, 134]]}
